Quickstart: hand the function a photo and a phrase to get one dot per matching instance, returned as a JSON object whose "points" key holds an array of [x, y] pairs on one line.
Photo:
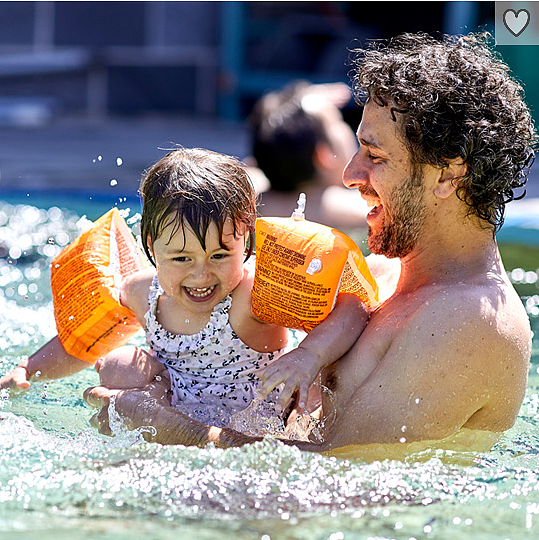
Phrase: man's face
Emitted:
{"points": [[382, 172]]}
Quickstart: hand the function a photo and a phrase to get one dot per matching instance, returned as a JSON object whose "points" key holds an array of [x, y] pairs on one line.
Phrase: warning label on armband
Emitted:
{"points": [[350, 283], [85, 279], [283, 296], [285, 256]]}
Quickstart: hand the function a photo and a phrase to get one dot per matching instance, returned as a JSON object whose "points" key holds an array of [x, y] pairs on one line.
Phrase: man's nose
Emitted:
{"points": [[354, 173]]}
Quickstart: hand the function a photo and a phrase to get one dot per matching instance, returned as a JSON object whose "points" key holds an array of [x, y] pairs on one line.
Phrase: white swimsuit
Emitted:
{"points": [[213, 368]]}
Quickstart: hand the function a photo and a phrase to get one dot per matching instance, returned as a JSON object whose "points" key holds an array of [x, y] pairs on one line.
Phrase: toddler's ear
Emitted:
{"points": [[150, 245]]}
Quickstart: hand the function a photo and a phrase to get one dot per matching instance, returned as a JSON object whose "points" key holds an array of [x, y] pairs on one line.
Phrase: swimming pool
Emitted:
{"points": [[61, 480]]}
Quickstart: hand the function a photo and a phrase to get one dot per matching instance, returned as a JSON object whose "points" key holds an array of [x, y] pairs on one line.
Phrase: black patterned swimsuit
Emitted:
{"points": [[213, 367]]}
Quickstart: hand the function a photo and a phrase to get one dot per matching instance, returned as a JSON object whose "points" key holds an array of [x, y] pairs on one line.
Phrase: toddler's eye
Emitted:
{"points": [[180, 259], [220, 256]]}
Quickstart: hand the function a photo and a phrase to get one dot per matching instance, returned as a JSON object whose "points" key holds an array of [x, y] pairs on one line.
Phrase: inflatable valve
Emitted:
{"points": [[299, 212], [85, 282], [301, 267]]}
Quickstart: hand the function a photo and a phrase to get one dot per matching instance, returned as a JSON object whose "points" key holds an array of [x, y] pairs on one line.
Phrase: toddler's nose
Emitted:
{"points": [[200, 272]]}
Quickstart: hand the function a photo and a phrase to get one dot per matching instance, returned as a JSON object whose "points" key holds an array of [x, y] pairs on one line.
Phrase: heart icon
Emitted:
{"points": [[517, 22]]}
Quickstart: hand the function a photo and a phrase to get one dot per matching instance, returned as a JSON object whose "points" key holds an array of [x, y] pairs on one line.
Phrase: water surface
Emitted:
{"points": [[60, 480]]}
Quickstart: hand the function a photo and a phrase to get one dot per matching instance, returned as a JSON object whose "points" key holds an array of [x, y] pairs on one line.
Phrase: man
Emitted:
{"points": [[444, 140]]}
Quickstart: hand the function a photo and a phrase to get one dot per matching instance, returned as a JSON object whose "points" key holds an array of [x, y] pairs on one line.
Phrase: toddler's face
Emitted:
{"points": [[196, 279]]}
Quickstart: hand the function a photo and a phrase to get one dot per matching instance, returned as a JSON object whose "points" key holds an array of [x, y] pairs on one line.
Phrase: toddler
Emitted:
{"points": [[197, 228]]}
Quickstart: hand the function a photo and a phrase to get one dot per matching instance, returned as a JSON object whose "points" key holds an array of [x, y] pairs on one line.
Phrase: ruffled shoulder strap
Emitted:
{"points": [[168, 341], [155, 292]]}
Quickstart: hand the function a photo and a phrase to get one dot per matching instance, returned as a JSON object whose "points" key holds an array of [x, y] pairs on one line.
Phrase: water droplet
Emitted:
{"points": [[119, 161], [113, 182]]}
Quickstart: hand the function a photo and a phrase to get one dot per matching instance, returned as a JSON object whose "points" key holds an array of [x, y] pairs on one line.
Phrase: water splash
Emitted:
{"points": [[59, 479]]}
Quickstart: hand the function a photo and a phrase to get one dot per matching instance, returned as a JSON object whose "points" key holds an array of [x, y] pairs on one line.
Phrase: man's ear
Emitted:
{"points": [[449, 178]]}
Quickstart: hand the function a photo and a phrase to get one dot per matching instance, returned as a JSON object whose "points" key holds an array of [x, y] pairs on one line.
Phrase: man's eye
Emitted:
{"points": [[373, 158]]}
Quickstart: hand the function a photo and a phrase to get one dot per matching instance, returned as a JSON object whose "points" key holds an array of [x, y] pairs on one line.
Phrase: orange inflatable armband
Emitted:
{"points": [[301, 267], [85, 280]]}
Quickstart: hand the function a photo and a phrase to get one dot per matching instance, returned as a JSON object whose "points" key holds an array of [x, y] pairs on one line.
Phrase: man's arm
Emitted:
{"points": [[142, 408], [150, 407]]}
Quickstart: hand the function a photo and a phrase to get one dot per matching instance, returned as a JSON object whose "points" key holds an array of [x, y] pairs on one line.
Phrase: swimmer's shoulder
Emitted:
{"points": [[135, 290], [496, 328]]}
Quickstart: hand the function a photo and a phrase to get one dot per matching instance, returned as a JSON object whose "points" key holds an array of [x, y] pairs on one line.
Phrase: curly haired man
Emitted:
{"points": [[445, 139]]}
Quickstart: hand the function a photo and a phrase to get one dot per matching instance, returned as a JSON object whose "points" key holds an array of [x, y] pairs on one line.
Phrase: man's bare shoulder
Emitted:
{"points": [[478, 333], [491, 310]]}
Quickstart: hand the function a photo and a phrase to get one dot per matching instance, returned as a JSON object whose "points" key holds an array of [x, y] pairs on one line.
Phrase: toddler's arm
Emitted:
{"points": [[50, 362], [325, 344], [53, 362]]}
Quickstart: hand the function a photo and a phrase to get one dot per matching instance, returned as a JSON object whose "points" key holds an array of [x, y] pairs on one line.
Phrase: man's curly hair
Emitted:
{"points": [[455, 99]]}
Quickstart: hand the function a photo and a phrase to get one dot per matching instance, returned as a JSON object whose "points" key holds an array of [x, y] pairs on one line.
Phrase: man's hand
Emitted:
{"points": [[150, 406], [297, 370], [127, 403], [16, 380], [98, 397]]}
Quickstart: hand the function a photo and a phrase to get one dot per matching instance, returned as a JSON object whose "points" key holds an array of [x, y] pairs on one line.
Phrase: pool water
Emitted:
{"points": [[61, 480]]}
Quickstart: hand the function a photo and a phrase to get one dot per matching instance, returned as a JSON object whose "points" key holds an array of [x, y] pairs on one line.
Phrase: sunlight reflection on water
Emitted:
{"points": [[59, 479]]}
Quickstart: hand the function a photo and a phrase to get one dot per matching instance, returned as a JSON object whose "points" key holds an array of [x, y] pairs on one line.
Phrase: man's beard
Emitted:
{"points": [[403, 219]]}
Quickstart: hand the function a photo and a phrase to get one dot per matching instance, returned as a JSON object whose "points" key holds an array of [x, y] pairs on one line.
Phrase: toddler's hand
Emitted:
{"points": [[297, 370], [17, 379]]}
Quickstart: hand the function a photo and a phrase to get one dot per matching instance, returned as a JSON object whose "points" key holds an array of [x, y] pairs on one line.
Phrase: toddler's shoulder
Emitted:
{"points": [[135, 290]]}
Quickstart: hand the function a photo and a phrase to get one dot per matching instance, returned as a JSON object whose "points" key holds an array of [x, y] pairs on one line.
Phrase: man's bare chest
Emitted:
{"points": [[383, 328]]}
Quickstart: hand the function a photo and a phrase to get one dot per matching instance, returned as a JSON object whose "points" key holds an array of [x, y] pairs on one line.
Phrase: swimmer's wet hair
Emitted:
{"points": [[197, 187], [285, 137], [453, 97]]}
